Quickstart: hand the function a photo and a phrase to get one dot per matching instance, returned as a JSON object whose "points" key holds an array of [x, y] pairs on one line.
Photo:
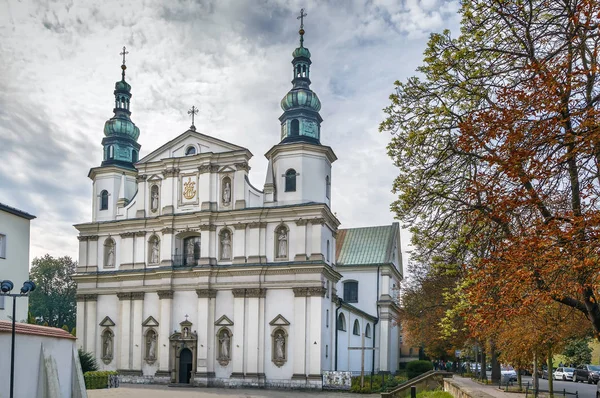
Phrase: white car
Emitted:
{"points": [[563, 373], [508, 372]]}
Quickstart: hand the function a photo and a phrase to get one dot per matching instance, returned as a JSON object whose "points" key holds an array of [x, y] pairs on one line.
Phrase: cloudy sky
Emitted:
{"points": [[59, 60]]}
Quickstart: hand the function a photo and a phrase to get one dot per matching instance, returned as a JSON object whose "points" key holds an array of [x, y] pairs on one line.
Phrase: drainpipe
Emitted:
{"points": [[337, 309], [374, 326]]}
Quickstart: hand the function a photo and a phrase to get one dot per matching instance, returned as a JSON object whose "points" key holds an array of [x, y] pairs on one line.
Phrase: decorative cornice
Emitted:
{"points": [[92, 238], [203, 168], [252, 292], [319, 220], [165, 294], [257, 225], [127, 234], [141, 178], [242, 166], [170, 172], [140, 233], [301, 222], [206, 293], [309, 291], [214, 168], [167, 230], [124, 296], [86, 297], [240, 225], [82, 238], [204, 227]]}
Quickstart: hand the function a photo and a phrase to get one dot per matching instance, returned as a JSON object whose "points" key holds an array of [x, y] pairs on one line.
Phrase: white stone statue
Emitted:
{"points": [[225, 246], [107, 345], [154, 258], [282, 247], [151, 346], [190, 252], [226, 193], [110, 257], [280, 346], [154, 199], [225, 341], [186, 332]]}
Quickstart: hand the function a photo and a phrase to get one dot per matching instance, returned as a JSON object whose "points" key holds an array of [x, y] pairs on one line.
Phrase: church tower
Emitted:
{"points": [[299, 168], [115, 180]]}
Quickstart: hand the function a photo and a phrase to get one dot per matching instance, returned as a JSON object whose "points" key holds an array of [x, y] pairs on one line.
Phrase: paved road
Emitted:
{"points": [[585, 390]]}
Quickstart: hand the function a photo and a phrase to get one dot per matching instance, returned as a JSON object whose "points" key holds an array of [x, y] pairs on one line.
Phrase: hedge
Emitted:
{"points": [[97, 380], [417, 368]]}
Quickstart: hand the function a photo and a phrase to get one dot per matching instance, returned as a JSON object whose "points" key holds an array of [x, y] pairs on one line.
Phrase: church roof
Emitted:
{"points": [[16, 212], [366, 246]]}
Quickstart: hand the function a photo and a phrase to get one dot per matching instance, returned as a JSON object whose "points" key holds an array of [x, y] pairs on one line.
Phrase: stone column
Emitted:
{"points": [[166, 246], [164, 322], [300, 345], [138, 344], [240, 185], [168, 185], [123, 360], [91, 302], [315, 318], [316, 244], [254, 345], [205, 328], [83, 252], [237, 346], [301, 241], [92, 249], [384, 340], [81, 324], [204, 245], [213, 244], [239, 249]]}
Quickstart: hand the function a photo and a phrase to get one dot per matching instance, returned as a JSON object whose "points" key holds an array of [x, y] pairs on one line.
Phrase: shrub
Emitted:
{"points": [[97, 380], [417, 368], [434, 394], [88, 361]]}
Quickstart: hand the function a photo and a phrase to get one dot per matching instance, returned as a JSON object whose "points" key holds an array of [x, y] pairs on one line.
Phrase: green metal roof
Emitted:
{"points": [[364, 246]]}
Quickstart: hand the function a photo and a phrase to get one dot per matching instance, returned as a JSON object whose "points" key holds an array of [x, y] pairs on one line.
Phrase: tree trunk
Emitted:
{"points": [[534, 377], [483, 365], [550, 378], [496, 375]]}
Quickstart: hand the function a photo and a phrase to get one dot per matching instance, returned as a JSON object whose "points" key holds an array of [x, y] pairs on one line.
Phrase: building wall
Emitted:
{"points": [[15, 266]]}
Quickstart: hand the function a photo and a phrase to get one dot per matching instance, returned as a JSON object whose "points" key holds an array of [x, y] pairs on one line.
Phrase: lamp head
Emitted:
{"points": [[28, 287], [6, 286]]}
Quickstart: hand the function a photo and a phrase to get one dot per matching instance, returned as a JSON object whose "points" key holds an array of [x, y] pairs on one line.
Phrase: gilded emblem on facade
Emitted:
{"points": [[188, 189]]}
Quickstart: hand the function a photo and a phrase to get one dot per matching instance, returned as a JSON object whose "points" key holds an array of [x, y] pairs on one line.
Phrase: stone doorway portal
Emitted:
{"points": [[185, 366]]}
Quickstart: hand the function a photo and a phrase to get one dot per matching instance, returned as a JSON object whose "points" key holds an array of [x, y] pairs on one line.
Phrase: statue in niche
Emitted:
{"points": [[110, 255], [107, 345], [155, 257], [154, 202], [151, 345], [226, 191], [186, 332], [190, 252], [224, 347], [279, 347], [282, 238], [225, 246]]}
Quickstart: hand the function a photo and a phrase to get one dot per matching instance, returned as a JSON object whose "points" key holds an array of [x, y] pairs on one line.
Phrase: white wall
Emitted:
{"points": [[15, 267]]}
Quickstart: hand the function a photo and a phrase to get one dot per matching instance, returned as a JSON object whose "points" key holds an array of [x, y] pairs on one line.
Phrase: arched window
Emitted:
{"points": [[290, 180], [295, 127], [190, 151], [104, 200], [341, 322], [327, 187], [351, 292], [356, 328], [368, 330], [134, 156]]}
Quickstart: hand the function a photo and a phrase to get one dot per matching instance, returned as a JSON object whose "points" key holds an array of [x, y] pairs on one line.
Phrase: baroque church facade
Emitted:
{"points": [[190, 274]]}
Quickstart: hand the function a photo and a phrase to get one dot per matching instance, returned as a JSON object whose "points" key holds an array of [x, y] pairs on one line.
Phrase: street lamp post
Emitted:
{"points": [[5, 288]]}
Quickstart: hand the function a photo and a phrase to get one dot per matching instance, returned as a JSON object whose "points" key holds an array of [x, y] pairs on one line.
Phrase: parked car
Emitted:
{"points": [[563, 373], [589, 373], [508, 372]]}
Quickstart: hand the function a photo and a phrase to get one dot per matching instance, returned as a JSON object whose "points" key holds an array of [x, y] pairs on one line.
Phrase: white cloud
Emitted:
{"points": [[231, 59]]}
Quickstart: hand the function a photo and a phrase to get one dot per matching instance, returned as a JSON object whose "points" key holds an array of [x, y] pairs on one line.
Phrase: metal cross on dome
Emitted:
{"points": [[123, 54], [301, 18], [193, 111]]}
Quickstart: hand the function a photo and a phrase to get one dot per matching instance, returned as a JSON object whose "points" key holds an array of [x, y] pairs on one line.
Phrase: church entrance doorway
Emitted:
{"points": [[185, 365]]}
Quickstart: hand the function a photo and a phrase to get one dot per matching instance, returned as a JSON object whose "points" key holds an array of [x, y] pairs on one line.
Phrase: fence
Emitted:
{"points": [[556, 393]]}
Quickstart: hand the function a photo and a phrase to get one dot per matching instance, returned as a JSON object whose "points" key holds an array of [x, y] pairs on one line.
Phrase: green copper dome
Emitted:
{"points": [[122, 86], [117, 126], [301, 52], [301, 97]]}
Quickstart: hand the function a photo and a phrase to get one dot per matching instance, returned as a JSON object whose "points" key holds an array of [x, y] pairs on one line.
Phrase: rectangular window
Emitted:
{"points": [[351, 292], [2, 246]]}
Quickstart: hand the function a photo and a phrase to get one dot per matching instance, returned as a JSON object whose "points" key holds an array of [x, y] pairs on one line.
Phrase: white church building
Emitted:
{"points": [[190, 274]]}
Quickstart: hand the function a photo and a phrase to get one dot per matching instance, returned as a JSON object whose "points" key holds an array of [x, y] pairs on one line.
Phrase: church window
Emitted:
{"points": [[104, 200], [327, 187], [368, 331], [111, 152], [134, 156], [356, 328], [295, 127], [341, 323], [191, 248], [303, 70], [290, 180], [351, 292], [190, 151]]}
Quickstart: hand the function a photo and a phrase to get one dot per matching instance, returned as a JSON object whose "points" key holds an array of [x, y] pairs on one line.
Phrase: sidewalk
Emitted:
{"points": [[489, 389]]}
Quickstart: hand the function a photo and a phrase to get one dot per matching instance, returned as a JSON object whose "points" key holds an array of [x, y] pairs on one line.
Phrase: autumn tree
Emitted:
{"points": [[498, 148], [53, 303]]}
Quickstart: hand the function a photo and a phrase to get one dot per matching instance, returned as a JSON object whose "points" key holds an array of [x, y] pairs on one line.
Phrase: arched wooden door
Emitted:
{"points": [[185, 365]]}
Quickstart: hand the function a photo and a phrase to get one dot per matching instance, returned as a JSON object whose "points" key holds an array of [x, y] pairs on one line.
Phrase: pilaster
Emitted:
{"points": [[123, 360], [205, 326], [316, 247], [301, 240], [300, 343], [138, 342], [166, 301]]}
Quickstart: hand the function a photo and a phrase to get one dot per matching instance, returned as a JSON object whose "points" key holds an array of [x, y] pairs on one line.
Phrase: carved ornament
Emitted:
{"points": [[257, 225], [315, 221], [240, 225], [214, 168], [301, 222], [170, 172], [165, 294], [205, 168], [127, 234], [242, 166], [137, 295], [167, 230], [206, 293], [251, 293], [141, 177]]}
